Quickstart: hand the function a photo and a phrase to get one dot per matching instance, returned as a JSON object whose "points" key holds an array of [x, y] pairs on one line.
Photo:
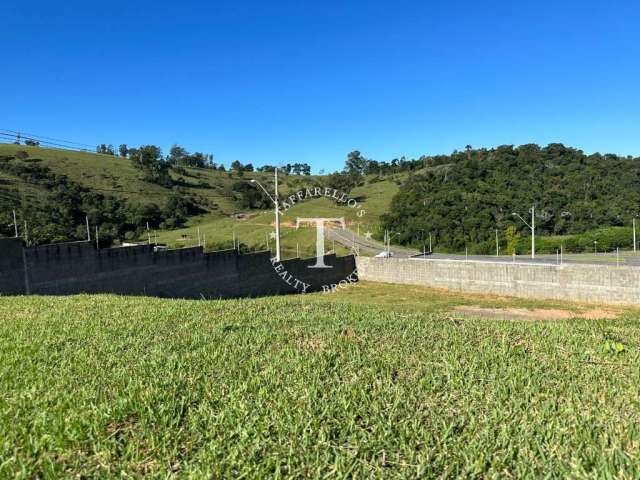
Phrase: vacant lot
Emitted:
{"points": [[379, 381]]}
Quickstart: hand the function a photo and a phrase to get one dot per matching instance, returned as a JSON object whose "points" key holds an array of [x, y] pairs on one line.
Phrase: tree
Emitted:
{"points": [[149, 159], [32, 143], [249, 196], [472, 192], [343, 182], [105, 149], [177, 154], [512, 236], [123, 150], [237, 166], [356, 164]]}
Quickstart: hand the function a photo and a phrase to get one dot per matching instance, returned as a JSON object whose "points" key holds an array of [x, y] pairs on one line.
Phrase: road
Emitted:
{"points": [[364, 245], [628, 259], [370, 247]]}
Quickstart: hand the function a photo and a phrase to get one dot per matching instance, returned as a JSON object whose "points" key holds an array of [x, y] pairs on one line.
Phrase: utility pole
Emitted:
{"points": [[532, 227], [88, 231], [15, 224], [533, 231], [634, 233], [277, 212], [497, 245], [97, 238], [276, 203], [26, 233], [430, 249], [148, 233]]}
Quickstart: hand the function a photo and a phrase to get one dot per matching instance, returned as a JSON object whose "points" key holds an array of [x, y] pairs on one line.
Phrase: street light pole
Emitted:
{"points": [[532, 227], [533, 231], [277, 211], [277, 218]]}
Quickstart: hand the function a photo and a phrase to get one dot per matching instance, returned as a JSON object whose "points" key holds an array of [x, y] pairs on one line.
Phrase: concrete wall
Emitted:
{"points": [[583, 283], [78, 267]]}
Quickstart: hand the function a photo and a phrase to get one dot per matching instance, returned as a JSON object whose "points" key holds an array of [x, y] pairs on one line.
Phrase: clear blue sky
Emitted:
{"points": [[277, 82]]}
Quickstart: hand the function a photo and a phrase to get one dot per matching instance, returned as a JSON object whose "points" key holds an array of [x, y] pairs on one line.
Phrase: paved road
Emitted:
{"points": [[628, 259], [364, 245], [369, 246]]}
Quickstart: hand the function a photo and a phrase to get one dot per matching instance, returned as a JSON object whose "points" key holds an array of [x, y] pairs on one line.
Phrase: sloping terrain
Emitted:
{"points": [[223, 215]]}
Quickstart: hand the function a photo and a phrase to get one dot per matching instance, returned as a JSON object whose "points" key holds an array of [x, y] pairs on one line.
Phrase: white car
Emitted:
{"points": [[385, 254]]}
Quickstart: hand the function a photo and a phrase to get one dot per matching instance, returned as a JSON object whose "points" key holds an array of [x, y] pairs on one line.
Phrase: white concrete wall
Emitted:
{"points": [[584, 283]]}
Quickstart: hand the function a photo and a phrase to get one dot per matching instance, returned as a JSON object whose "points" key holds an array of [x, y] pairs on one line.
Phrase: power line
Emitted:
{"points": [[43, 142], [68, 145], [33, 135]]}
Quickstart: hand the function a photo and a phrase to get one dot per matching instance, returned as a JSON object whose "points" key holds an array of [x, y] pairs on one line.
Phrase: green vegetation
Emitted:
{"points": [[461, 199], [254, 228], [53, 190], [464, 197], [59, 210], [312, 386]]}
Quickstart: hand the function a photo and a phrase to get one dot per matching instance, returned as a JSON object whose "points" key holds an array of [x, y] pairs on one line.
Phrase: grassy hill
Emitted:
{"points": [[254, 228], [461, 199], [118, 177], [379, 381], [222, 213]]}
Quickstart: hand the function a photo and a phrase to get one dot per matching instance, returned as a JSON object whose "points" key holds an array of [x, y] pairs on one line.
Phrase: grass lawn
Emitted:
{"points": [[377, 381]]}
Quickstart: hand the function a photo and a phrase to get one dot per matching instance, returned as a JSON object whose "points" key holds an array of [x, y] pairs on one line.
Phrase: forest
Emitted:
{"points": [[462, 199]]}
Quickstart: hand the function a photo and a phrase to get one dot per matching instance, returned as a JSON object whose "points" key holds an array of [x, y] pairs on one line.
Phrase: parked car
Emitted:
{"points": [[385, 254]]}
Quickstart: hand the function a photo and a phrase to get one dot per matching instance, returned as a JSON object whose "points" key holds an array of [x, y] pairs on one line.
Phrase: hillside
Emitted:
{"points": [[118, 177], [460, 199], [53, 190], [472, 194], [253, 229]]}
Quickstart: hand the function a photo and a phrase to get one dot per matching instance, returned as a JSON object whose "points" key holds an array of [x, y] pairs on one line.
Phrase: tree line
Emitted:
{"points": [[61, 215], [462, 199]]}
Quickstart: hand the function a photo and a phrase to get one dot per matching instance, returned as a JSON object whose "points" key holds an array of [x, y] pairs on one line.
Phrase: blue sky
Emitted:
{"points": [[280, 82]]}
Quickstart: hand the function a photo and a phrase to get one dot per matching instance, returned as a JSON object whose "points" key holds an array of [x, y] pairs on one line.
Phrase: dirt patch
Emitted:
{"points": [[313, 344], [531, 314]]}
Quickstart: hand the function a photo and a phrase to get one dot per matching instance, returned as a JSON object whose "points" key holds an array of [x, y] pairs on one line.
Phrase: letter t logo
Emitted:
{"points": [[320, 223]]}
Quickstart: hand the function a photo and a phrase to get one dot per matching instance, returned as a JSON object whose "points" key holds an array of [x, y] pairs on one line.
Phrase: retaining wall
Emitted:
{"points": [[583, 283], [79, 267]]}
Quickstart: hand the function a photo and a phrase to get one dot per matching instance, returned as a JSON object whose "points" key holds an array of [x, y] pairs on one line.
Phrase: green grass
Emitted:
{"points": [[375, 198], [312, 386], [118, 177]]}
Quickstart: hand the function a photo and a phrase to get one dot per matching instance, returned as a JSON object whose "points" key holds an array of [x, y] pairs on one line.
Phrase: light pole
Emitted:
{"points": [[634, 234], [277, 210], [532, 227], [389, 237]]}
